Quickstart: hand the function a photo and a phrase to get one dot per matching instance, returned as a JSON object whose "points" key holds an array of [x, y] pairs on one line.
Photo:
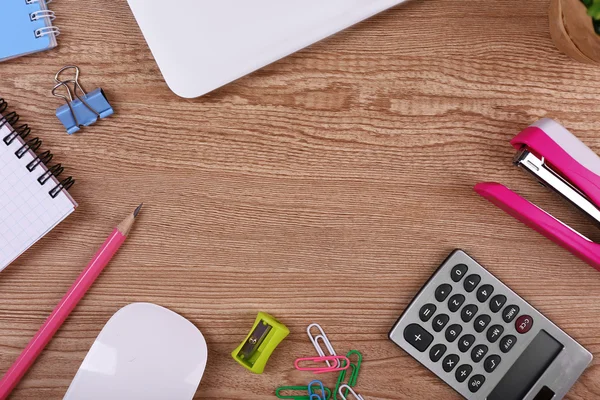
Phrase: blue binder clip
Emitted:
{"points": [[81, 108]]}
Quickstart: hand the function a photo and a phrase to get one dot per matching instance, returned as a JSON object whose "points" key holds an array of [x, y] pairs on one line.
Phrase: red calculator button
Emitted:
{"points": [[524, 324]]}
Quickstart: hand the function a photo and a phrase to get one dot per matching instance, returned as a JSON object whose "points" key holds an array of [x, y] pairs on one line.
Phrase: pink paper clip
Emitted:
{"points": [[321, 370]]}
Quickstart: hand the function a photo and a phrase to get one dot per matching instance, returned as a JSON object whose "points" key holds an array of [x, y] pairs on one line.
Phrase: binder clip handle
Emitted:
{"points": [[81, 108]]}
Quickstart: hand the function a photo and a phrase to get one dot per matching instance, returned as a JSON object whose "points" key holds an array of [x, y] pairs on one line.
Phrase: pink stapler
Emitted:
{"points": [[560, 161]]}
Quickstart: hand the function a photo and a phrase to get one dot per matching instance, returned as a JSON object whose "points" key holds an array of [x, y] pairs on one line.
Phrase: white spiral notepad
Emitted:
{"points": [[33, 200]]}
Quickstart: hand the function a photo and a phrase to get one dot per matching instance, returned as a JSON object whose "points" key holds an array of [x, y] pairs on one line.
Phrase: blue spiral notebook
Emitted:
{"points": [[30, 25]]}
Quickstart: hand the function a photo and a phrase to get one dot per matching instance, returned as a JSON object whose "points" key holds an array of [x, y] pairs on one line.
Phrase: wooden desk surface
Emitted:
{"points": [[324, 188]]}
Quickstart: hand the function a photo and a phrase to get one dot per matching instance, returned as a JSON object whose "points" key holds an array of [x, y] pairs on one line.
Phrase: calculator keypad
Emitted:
{"points": [[473, 346], [467, 327]]}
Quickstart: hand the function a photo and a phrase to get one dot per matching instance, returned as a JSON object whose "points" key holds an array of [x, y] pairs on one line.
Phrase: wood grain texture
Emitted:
{"points": [[324, 188]]}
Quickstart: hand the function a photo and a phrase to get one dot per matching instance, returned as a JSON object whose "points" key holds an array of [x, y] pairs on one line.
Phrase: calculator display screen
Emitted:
{"points": [[528, 368]]}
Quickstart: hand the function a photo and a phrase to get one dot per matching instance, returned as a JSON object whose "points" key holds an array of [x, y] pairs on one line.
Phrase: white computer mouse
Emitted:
{"points": [[144, 352]]}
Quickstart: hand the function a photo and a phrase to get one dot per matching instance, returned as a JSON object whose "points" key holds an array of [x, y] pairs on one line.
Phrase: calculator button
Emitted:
{"points": [[418, 337], [458, 272], [442, 292], [456, 302], [484, 293], [481, 323], [450, 362], [497, 303], [468, 313], [427, 312], [463, 372], [491, 363], [524, 324], [479, 352], [437, 352], [465, 343], [471, 282], [440, 322], [494, 333], [476, 382], [507, 343], [452, 332], [510, 313]]}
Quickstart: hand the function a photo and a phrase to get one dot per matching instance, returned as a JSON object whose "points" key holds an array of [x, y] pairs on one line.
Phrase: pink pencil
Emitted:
{"points": [[66, 305]]}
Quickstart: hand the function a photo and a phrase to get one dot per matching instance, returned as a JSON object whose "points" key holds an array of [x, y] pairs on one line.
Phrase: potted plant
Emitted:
{"points": [[575, 28]]}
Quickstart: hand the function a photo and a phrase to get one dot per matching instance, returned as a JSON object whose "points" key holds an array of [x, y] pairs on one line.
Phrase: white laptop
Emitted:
{"points": [[200, 45]]}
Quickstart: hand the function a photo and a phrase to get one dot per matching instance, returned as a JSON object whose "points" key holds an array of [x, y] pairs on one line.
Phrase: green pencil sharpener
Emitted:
{"points": [[265, 336]]}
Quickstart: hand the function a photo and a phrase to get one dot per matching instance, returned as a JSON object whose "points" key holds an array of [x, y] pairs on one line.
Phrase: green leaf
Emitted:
{"points": [[594, 10], [587, 3]]}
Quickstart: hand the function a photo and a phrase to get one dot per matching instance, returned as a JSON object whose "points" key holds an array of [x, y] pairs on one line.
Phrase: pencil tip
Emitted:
{"points": [[137, 210]]}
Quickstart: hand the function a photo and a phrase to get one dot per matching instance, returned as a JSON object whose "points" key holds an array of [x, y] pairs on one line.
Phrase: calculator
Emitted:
{"points": [[485, 341]]}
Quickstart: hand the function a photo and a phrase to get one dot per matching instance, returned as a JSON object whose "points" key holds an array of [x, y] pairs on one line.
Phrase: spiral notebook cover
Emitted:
{"points": [[32, 199], [27, 28]]}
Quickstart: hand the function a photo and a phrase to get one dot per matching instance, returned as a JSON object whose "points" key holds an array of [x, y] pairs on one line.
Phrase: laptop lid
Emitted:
{"points": [[201, 45]]}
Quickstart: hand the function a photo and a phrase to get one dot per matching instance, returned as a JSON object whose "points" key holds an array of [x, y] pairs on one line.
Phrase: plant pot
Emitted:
{"points": [[573, 32]]}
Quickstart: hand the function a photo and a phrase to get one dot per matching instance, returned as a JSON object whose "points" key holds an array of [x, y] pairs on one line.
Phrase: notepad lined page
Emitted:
{"points": [[27, 210]]}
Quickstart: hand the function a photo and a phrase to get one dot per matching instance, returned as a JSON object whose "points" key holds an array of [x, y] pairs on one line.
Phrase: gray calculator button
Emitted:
{"points": [[456, 302], [450, 362], [439, 322], [427, 312], [481, 322], [476, 382], [452, 332], [510, 313], [494, 333], [507, 343], [497, 303], [458, 272], [491, 363], [418, 337], [479, 352], [469, 312], [437, 352], [465, 343], [442, 292], [463, 372], [484, 292], [471, 282]]}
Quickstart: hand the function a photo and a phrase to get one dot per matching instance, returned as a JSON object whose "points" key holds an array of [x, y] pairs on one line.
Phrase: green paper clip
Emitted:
{"points": [[354, 368], [297, 389], [265, 336]]}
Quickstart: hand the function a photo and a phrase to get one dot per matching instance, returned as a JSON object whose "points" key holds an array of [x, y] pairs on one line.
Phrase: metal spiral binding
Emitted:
{"points": [[43, 14], [32, 144]]}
